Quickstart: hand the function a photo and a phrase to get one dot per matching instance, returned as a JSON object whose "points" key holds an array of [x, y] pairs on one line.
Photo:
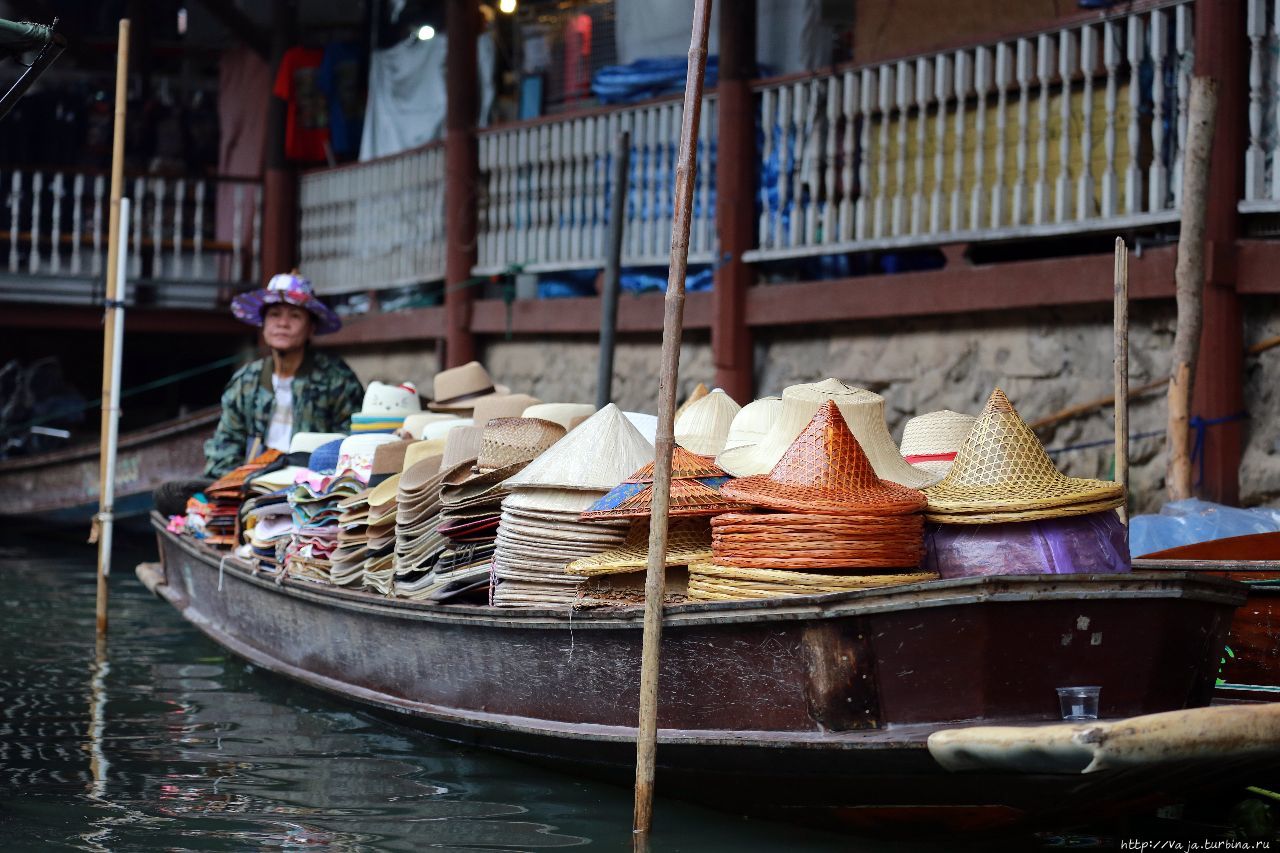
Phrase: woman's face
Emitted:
{"points": [[286, 327]]}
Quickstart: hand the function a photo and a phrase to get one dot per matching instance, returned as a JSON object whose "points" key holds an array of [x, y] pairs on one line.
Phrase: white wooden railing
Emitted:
{"points": [[1047, 134], [545, 190], [374, 225], [1262, 156], [192, 235]]}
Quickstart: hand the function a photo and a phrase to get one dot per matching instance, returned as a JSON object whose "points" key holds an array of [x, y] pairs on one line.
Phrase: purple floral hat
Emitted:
{"points": [[285, 289]]}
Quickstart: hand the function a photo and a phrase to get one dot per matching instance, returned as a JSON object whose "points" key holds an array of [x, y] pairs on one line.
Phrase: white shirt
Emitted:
{"points": [[280, 432]]}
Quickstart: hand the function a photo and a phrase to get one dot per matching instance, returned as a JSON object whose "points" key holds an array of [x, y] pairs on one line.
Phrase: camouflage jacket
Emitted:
{"points": [[325, 393]]}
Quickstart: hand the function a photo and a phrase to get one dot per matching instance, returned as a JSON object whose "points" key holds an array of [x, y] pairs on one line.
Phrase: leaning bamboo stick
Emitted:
{"points": [[110, 341], [1120, 350], [672, 328], [1189, 281]]}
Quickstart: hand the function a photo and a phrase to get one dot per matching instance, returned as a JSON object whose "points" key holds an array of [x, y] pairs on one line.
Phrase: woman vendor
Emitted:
{"points": [[295, 389]]}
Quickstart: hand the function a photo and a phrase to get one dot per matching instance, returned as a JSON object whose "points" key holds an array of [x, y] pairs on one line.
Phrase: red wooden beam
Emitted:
{"points": [[141, 320], [581, 315], [392, 327], [462, 23], [1256, 265], [735, 201], [961, 289]]}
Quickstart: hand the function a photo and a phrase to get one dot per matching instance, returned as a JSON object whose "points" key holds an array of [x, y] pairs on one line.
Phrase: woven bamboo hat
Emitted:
{"points": [[501, 406], [825, 471], [685, 465], [596, 456], [708, 582], [565, 414], [703, 425], [699, 391], [509, 441], [930, 442], [688, 498], [1002, 468], [688, 541], [863, 413]]}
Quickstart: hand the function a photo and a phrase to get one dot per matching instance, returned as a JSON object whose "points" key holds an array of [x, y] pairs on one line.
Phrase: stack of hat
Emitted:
{"points": [[834, 524], [386, 407], [458, 389], [471, 498], [416, 425], [349, 558], [221, 514], [862, 412], [1048, 522], [703, 424], [418, 545], [930, 441], [693, 499], [266, 517], [315, 499], [540, 531]]}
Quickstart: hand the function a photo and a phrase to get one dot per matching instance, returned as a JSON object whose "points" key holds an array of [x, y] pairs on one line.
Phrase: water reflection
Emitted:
{"points": [[161, 740]]}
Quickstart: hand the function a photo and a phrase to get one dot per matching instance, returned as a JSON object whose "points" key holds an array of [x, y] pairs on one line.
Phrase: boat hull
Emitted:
{"points": [[817, 708]]}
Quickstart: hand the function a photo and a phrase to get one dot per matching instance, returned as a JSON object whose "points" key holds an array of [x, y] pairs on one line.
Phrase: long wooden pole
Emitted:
{"points": [[613, 270], [1120, 350], [110, 342], [1202, 110], [672, 328]]}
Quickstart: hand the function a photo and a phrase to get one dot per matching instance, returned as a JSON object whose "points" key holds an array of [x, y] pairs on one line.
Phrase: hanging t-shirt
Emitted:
{"points": [[280, 432], [339, 79], [307, 122]]}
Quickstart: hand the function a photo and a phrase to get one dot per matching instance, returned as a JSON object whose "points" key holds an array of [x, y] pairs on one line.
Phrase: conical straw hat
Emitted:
{"points": [[930, 442], [1002, 467], [863, 413], [703, 425], [753, 423], [596, 456], [825, 470], [561, 413], [688, 541], [699, 391]]}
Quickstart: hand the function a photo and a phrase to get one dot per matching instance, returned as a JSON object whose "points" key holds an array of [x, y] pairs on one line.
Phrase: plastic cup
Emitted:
{"points": [[1079, 703]]}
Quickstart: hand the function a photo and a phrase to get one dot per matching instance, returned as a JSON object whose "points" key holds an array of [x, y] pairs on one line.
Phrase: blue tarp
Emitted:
{"points": [[1193, 520]]}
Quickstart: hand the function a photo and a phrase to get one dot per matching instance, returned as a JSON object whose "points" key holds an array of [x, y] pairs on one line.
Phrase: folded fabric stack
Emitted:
{"points": [[417, 544], [1005, 508], [833, 524], [617, 574], [540, 531], [225, 496], [315, 498], [385, 408]]}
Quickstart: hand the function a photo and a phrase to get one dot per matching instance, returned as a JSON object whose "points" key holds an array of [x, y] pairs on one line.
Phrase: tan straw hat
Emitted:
{"points": [[565, 414], [863, 412], [703, 425], [508, 441], [825, 471], [501, 406], [1002, 468], [752, 423], [688, 541], [596, 456], [930, 442]]}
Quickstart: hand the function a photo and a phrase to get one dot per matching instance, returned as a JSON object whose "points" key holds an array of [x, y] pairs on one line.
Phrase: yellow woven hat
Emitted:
{"points": [[709, 582], [688, 541], [1002, 468]]}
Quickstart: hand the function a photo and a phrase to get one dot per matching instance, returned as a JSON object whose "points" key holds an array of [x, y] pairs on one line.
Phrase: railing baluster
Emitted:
{"points": [[799, 103], [862, 227], [157, 236], [98, 260], [1088, 68], [179, 201], [963, 86], [1274, 38], [981, 89], [705, 242], [15, 221], [834, 102], [1068, 60], [811, 171], [848, 149], [1182, 42], [942, 91], [237, 235], [55, 225], [1133, 172], [906, 89], [768, 118], [1158, 181], [1111, 61], [255, 266], [137, 204], [37, 190], [1044, 76], [197, 230], [883, 205], [1003, 77], [1024, 122], [77, 221], [784, 154]]}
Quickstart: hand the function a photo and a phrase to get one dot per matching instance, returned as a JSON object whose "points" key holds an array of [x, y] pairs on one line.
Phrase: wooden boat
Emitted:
{"points": [[816, 708], [1251, 661], [62, 486]]}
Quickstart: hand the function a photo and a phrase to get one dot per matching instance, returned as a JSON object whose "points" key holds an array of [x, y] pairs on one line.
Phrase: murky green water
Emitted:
{"points": [[168, 742]]}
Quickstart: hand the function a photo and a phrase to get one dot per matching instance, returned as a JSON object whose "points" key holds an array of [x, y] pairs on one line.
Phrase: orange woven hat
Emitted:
{"points": [[824, 470], [688, 498], [685, 465]]}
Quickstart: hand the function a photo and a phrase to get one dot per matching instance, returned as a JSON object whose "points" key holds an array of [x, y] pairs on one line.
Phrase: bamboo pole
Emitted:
{"points": [[110, 343], [613, 270], [1189, 282], [1120, 350], [672, 328]]}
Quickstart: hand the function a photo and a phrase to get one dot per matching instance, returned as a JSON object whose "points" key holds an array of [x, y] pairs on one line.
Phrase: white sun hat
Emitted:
{"points": [[930, 441], [704, 425]]}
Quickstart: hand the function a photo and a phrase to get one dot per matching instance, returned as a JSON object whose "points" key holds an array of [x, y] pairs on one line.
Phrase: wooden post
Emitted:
{"points": [[1120, 351], [109, 341], [735, 200], [613, 269], [672, 327], [1189, 281], [462, 24]]}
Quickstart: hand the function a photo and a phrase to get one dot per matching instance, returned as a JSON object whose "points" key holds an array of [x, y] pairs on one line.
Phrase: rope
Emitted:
{"points": [[1198, 424]]}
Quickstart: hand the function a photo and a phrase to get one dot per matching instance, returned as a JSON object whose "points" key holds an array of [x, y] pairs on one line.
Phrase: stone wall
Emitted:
{"points": [[1044, 359]]}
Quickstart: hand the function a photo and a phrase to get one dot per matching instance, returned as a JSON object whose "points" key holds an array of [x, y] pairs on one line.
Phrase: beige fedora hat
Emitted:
{"points": [[863, 412], [752, 422], [704, 424], [599, 454], [460, 388], [501, 406], [564, 414], [416, 423], [441, 429], [931, 441]]}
